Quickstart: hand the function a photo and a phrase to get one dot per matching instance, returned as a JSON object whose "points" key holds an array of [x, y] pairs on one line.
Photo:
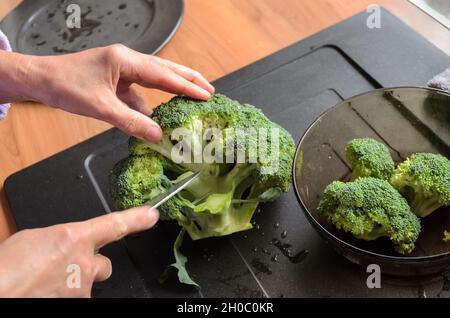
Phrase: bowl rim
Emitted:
{"points": [[319, 228]]}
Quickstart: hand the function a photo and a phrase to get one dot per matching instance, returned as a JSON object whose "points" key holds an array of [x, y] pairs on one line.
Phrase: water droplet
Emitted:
{"points": [[284, 234], [265, 251], [208, 260], [122, 6], [276, 225], [255, 249], [244, 236], [257, 227], [262, 233], [261, 267], [275, 258], [330, 157]]}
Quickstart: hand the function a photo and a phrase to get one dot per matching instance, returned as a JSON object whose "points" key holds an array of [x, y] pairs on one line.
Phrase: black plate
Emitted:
{"points": [[407, 120], [39, 27]]}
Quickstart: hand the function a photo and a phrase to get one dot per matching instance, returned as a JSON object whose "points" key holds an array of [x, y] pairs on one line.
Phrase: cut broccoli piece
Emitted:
{"points": [[370, 208], [225, 196], [369, 158], [424, 179]]}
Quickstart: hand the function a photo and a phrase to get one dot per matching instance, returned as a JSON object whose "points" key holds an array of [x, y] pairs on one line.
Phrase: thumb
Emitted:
{"points": [[134, 123]]}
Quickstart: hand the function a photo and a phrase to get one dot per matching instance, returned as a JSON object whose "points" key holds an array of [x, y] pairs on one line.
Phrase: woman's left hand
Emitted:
{"points": [[98, 83]]}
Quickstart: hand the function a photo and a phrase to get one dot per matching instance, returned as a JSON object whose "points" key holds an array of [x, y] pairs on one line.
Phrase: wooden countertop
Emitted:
{"points": [[214, 38]]}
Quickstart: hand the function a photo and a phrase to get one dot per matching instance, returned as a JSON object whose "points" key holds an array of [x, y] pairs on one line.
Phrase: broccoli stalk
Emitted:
{"points": [[424, 179]]}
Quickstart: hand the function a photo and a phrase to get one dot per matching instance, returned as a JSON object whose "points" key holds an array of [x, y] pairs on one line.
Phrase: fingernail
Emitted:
{"points": [[212, 89], [154, 134], [206, 94], [154, 213]]}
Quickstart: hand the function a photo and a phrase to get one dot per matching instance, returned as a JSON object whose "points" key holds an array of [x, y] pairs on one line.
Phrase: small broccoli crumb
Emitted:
{"points": [[446, 236]]}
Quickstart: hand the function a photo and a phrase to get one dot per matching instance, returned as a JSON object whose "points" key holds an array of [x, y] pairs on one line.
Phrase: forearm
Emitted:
{"points": [[20, 77]]}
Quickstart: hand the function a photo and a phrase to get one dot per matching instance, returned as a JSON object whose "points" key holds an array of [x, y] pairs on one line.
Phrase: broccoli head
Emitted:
{"points": [[245, 159], [370, 208], [369, 158], [424, 179]]}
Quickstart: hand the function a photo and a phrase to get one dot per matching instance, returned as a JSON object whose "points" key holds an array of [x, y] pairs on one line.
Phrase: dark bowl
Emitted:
{"points": [[407, 120]]}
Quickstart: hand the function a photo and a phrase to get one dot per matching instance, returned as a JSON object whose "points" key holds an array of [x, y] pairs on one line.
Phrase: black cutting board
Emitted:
{"points": [[293, 87]]}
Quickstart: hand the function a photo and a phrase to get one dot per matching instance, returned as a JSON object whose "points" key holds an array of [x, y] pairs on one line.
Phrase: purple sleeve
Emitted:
{"points": [[4, 45]]}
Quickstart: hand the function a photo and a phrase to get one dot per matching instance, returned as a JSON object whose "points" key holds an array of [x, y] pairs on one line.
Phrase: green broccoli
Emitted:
{"points": [[225, 196], [369, 158], [370, 208], [446, 236], [424, 179]]}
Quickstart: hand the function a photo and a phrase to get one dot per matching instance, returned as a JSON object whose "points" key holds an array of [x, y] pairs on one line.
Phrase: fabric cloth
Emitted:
{"points": [[441, 81], [4, 45]]}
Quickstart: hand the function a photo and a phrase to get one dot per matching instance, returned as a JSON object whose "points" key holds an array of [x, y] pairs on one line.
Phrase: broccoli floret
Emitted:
{"points": [[137, 179], [369, 158], [370, 208], [225, 196], [424, 179], [446, 236]]}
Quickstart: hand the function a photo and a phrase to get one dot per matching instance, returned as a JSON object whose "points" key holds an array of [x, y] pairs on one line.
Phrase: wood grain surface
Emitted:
{"points": [[216, 38]]}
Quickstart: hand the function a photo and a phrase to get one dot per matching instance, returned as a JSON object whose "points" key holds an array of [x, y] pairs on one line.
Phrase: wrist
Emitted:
{"points": [[22, 78]]}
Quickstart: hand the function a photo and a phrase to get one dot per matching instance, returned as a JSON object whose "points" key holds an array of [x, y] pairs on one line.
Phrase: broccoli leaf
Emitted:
{"points": [[180, 264]]}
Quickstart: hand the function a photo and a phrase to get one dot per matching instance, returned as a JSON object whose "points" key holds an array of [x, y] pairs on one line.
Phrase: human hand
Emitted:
{"points": [[35, 263], [98, 83]]}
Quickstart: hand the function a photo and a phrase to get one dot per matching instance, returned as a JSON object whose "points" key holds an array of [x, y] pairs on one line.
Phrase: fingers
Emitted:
{"points": [[133, 98], [171, 82], [154, 72], [103, 268], [134, 122], [114, 226], [191, 75]]}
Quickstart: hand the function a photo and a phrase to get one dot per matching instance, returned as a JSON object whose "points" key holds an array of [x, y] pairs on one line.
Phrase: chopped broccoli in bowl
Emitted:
{"points": [[369, 158], [370, 208], [424, 179]]}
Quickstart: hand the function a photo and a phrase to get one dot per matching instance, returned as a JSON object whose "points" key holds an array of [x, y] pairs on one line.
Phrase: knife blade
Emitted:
{"points": [[165, 196]]}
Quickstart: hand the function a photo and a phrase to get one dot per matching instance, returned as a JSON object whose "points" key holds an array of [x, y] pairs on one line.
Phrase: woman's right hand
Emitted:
{"points": [[44, 262]]}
